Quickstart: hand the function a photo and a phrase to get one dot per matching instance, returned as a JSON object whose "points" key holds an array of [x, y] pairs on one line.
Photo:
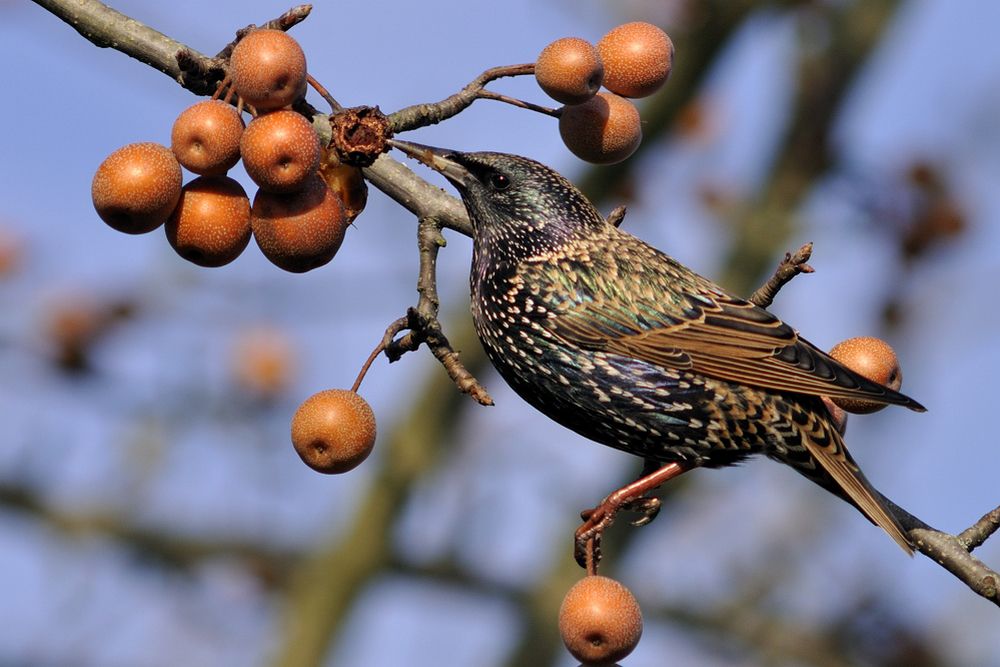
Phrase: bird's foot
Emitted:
{"points": [[633, 497], [646, 507]]}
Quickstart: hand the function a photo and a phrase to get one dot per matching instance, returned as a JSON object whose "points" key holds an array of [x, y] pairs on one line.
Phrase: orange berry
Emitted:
{"points": [[874, 359], [136, 188], [206, 137], [268, 69], [299, 231], [569, 70], [333, 431], [637, 59], [211, 224], [605, 129], [263, 362], [599, 620], [280, 151]]}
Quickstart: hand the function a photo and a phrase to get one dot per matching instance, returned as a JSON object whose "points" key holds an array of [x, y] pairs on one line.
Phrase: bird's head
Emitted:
{"points": [[516, 205]]}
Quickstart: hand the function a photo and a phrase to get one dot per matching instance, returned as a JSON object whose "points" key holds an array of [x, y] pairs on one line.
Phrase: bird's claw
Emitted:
{"points": [[647, 508], [587, 543]]}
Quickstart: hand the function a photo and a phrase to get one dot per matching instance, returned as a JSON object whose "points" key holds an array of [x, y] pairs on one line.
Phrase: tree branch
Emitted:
{"points": [[789, 267], [172, 549], [953, 552], [422, 115], [422, 321]]}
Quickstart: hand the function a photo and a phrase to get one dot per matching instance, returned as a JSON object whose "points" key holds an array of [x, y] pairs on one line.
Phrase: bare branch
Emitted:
{"points": [[979, 532], [788, 268], [173, 549], [417, 195], [953, 552], [422, 115], [422, 321]]}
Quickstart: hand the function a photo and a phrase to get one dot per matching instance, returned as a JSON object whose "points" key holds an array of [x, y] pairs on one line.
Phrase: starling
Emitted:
{"points": [[615, 340]]}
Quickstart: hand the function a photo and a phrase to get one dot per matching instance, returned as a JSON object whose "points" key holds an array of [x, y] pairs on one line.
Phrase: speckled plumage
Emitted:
{"points": [[622, 344]]}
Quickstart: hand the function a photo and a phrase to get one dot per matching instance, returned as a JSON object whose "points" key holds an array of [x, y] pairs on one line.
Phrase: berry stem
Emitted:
{"points": [[222, 86], [490, 95], [335, 106], [368, 364], [592, 560]]}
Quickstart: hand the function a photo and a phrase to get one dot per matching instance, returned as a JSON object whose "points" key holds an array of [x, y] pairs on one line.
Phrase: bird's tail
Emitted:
{"points": [[832, 467]]}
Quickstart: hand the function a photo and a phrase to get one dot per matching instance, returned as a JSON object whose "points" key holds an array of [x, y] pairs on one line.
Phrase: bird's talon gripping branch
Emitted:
{"points": [[633, 496]]}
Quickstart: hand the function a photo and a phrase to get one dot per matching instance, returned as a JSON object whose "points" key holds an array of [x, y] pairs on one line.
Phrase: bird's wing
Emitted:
{"points": [[699, 327]]}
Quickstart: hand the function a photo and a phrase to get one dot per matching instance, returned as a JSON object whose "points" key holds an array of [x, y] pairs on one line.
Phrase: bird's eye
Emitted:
{"points": [[498, 181]]}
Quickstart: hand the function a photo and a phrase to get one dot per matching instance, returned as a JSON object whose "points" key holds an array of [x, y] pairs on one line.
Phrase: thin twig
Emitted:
{"points": [[422, 115], [324, 93], [788, 268], [506, 99], [368, 363], [286, 21], [422, 321], [979, 532]]}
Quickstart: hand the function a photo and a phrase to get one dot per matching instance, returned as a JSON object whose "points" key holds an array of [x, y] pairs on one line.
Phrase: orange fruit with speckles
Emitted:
{"points": [[280, 151], [569, 70], [604, 130], [599, 620], [333, 431], [299, 231], [268, 68], [137, 187], [637, 59], [211, 224], [206, 137], [874, 359]]}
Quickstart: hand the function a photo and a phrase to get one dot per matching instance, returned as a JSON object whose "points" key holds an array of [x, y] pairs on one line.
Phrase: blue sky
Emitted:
{"points": [[125, 439]]}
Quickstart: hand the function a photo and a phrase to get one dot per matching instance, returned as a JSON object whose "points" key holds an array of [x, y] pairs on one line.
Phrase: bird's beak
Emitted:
{"points": [[439, 159]]}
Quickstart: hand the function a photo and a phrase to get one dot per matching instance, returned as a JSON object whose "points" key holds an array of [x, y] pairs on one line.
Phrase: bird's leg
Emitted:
{"points": [[646, 506], [587, 550]]}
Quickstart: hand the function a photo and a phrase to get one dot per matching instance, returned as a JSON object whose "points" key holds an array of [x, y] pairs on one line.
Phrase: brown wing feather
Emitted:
{"points": [[725, 338]]}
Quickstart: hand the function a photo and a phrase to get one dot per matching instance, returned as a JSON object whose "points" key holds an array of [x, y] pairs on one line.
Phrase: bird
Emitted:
{"points": [[626, 346]]}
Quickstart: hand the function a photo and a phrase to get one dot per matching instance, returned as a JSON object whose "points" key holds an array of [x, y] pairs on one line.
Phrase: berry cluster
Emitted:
{"points": [[632, 60], [297, 219], [305, 201]]}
